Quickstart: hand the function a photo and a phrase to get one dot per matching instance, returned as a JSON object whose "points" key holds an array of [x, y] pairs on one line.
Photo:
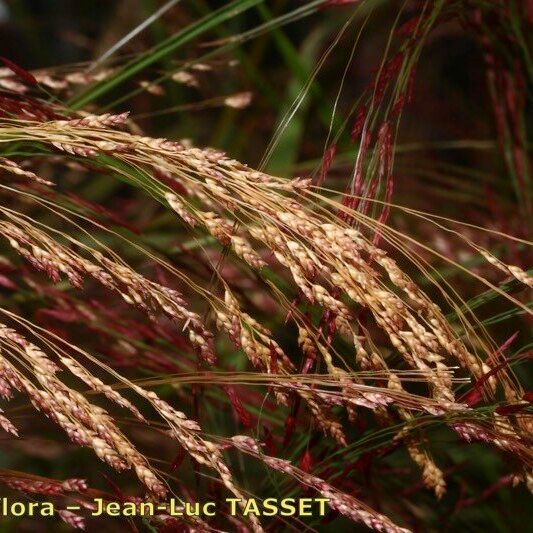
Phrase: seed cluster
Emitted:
{"points": [[332, 268]]}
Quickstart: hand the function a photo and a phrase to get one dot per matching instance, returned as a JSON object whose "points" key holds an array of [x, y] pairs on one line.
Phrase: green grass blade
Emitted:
{"points": [[162, 50]]}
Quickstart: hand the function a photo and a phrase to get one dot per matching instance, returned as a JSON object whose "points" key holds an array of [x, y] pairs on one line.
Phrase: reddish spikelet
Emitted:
{"points": [[238, 408], [26, 108], [5, 423], [371, 193], [32, 486], [75, 150], [326, 163], [406, 96], [354, 190], [72, 519], [306, 461], [21, 73], [359, 174], [329, 319], [273, 360], [180, 456], [528, 397], [363, 464], [308, 349], [294, 304], [390, 69], [350, 202], [268, 440], [511, 409], [501, 349], [398, 106], [308, 364], [410, 28], [385, 148], [385, 171], [5, 389], [107, 120], [47, 487], [7, 283], [359, 122], [384, 215], [475, 395], [74, 485]]}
